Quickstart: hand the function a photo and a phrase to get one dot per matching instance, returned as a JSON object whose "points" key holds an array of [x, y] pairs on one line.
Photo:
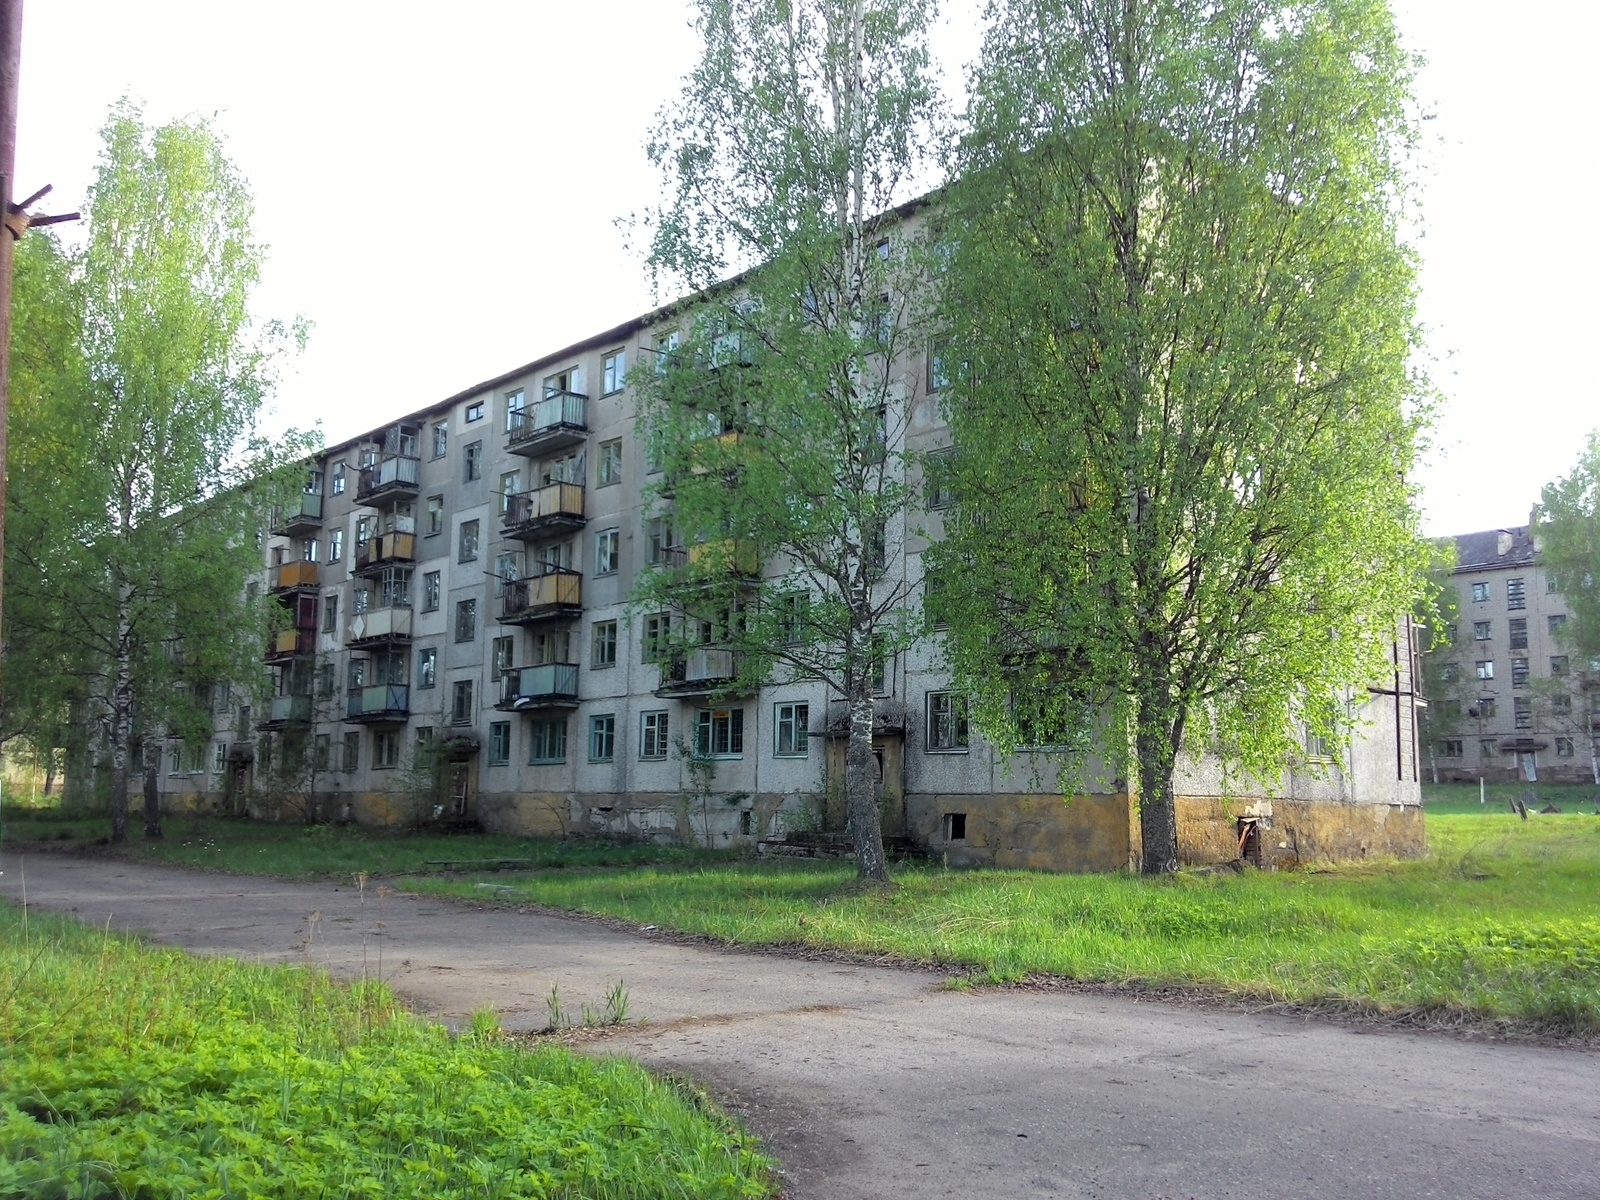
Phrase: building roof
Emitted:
{"points": [[1490, 549]]}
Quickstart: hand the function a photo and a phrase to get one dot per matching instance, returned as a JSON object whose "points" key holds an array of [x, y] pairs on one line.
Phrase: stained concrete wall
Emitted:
{"points": [[1292, 832]]}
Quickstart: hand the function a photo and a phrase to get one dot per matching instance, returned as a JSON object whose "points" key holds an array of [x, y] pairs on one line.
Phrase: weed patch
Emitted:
{"points": [[135, 1072]]}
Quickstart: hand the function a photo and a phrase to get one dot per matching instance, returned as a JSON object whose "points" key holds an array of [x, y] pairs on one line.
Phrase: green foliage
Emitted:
{"points": [[140, 481], [136, 1072], [1568, 524], [1185, 416], [779, 417], [1496, 925]]}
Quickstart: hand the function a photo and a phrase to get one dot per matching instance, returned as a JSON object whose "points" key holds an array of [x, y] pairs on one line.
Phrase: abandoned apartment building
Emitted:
{"points": [[458, 582], [1512, 702]]}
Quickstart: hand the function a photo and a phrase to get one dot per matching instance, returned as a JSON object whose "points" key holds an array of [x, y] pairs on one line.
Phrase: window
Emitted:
{"points": [[610, 470], [1559, 665], [1450, 709], [1451, 748], [613, 372], [791, 735], [603, 646], [1550, 584], [955, 827], [1449, 672], [321, 752], [472, 462], [325, 680], [516, 407], [351, 760], [336, 545], [939, 490], [666, 350], [793, 610], [441, 440], [1561, 705], [360, 600], [505, 571], [499, 743], [881, 658], [308, 549], [330, 613], [1480, 592], [510, 485], [434, 523], [947, 721], [653, 735], [1522, 712], [1519, 672], [466, 620], [467, 542], [606, 545], [1563, 747], [547, 741], [242, 722], [501, 656], [603, 738], [427, 662], [938, 366], [1518, 633], [430, 591], [461, 702], [1485, 669], [719, 732], [385, 748], [1488, 709], [657, 539], [424, 738], [338, 478], [1516, 593], [876, 549], [474, 412], [569, 382], [880, 318], [1481, 630], [219, 757], [657, 629], [1487, 748], [551, 646], [358, 673], [1557, 622]]}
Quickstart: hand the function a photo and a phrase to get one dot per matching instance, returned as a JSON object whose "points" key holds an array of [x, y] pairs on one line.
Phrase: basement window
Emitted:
{"points": [[955, 827]]}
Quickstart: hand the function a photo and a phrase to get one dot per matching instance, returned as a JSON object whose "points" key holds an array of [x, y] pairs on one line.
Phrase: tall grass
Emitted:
{"points": [[1499, 924], [129, 1071]]}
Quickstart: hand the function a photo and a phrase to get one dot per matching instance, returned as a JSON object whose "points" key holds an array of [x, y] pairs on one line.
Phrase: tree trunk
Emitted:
{"points": [[861, 805], [1156, 740], [152, 793], [121, 721], [49, 771]]}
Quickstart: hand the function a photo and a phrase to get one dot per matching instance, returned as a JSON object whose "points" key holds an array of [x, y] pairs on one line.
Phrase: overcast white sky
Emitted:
{"points": [[438, 186]]}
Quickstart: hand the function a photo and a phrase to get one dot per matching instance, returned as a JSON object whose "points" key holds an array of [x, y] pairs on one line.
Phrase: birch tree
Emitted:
{"points": [[141, 483], [779, 418], [1179, 290]]}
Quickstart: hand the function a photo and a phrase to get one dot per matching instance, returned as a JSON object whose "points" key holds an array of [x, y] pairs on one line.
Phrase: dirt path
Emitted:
{"points": [[872, 1082]]}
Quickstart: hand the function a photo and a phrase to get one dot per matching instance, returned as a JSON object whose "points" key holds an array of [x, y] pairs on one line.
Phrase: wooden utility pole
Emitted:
{"points": [[10, 68]]}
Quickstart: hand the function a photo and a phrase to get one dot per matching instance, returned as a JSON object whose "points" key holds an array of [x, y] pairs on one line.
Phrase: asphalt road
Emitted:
{"points": [[873, 1082]]}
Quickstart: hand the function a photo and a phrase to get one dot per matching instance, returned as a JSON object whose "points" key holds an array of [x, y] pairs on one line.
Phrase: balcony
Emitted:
{"points": [[380, 704], [285, 711], [386, 550], [392, 478], [561, 419], [291, 643], [527, 689], [553, 509], [303, 516], [379, 625], [725, 556], [699, 672], [294, 576], [555, 593]]}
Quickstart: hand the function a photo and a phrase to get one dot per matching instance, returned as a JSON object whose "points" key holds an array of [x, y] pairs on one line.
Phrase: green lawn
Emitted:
{"points": [[130, 1071], [1499, 923], [325, 851], [1462, 798]]}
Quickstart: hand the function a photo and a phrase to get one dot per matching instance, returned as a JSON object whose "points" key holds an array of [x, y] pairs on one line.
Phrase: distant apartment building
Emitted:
{"points": [[1511, 700], [457, 584]]}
